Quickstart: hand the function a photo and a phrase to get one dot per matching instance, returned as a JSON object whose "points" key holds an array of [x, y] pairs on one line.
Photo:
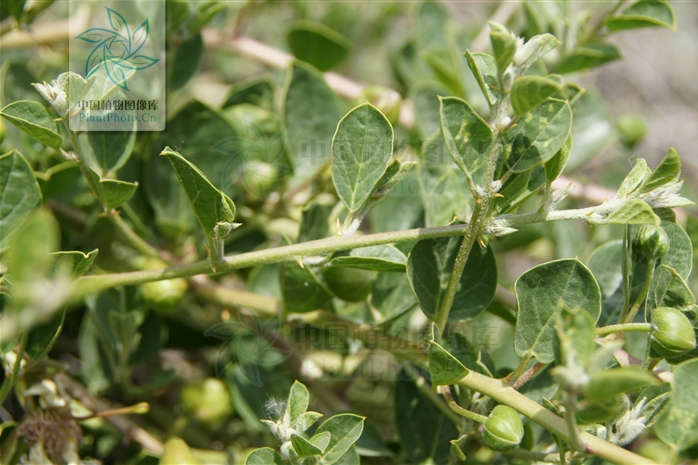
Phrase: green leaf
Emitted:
{"points": [[484, 68], [258, 91], [541, 292], [116, 193], [424, 431], [519, 188], [78, 263], [361, 150], [555, 166], [310, 113], [588, 56], [373, 258], [538, 135], [345, 429], [607, 384], [468, 137], [429, 267], [29, 257], [605, 262], [185, 60], [19, 195], [301, 289], [315, 222], [321, 440], [264, 456], [631, 211], [678, 427], [592, 128], [667, 289], [444, 368], [351, 457], [425, 103], [680, 253], [575, 336], [305, 421], [635, 179], [668, 171], [392, 295], [214, 209], [43, 337], [645, 13], [535, 48], [654, 401], [444, 190], [318, 45], [34, 119], [504, 45], [350, 284], [529, 91], [111, 149], [303, 447], [298, 400]]}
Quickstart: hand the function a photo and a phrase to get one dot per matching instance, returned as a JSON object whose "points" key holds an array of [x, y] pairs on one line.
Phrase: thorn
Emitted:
{"points": [[481, 242], [58, 120], [300, 262], [497, 195]]}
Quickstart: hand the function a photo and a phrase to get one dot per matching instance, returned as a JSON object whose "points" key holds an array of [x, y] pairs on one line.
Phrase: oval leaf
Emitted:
{"points": [[444, 368], [529, 91], [211, 206], [361, 151], [19, 195], [345, 429], [538, 135], [679, 425], [541, 292], [468, 137], [311, 114], [318, 45], [34, 119], [429, 267]]}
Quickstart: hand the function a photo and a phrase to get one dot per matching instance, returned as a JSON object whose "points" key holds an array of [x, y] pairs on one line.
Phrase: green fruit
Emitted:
{"points": [[673, 332], [503, 428], [162, 296], [631, 129], [652, 240], [208, 400], [350, 284], [177, 452]]}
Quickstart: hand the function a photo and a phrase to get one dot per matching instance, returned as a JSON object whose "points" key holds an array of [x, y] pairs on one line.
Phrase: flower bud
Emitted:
{"points": [[652, 240], [673, 334], [503, 428]]}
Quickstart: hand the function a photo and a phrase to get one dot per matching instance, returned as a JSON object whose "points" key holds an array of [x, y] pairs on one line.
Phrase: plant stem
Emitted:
{"points": [[520, 369], [493, 388], [425, 388], [446, 391], [621, 328], [640, 298], [133, 239], [10, 381], [478, 222]]}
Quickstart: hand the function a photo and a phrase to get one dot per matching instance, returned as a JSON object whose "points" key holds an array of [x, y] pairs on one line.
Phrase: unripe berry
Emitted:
{"points": [[503, 428], [673, 334], [653, 240]]}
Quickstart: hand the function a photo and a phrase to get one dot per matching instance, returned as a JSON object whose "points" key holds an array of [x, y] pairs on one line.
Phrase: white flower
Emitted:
{"points": [[8, 362]]}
